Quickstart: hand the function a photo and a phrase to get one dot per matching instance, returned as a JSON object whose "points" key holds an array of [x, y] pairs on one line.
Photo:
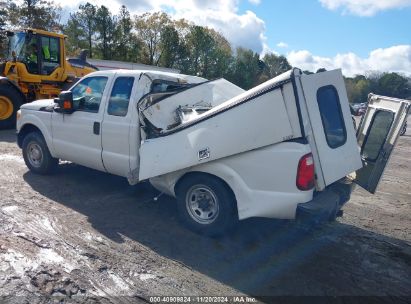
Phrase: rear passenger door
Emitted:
{"points": [[117, 124], [377, 134]]}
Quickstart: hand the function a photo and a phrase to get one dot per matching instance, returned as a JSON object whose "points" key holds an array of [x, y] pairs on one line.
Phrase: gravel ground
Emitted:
{"points": [[84, 236]]}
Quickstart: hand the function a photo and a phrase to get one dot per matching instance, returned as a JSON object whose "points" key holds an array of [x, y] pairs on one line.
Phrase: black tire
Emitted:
{"points": [[403, 130], [37, 155], [9, 93], [218, 213]]}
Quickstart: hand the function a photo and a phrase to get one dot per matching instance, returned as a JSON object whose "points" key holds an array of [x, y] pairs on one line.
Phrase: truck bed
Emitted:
{"points": [[262, 116]]}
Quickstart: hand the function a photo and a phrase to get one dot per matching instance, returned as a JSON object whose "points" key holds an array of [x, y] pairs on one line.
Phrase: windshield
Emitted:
{"points": [[19, 43]]}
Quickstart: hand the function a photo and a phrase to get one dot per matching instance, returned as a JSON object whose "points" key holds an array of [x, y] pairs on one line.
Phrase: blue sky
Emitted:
{"points": [[359, 36], [306, 24]]}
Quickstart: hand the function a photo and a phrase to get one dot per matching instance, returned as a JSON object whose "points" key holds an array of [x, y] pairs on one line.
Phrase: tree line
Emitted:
{"points": [[388, 84], [157, 39]]}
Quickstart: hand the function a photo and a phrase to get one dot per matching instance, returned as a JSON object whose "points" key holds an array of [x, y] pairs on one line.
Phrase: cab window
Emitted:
{"points": [[162, 86], [377, 133], [50, 54], [331, 116], [87, 94], [30, 51], [120, 96]]}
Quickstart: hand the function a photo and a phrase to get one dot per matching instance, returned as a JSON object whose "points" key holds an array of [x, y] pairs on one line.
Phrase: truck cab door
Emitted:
{"points": [[77, 136], [377, 135]]}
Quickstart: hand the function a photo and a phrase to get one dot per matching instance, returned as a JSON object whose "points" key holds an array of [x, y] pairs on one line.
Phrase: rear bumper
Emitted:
{"points": [[325, 204]]}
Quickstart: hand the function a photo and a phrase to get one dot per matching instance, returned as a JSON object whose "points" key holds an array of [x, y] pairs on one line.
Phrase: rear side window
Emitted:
{"points": [[162, 86], [331, 116], [377, 133], [120, 96]]}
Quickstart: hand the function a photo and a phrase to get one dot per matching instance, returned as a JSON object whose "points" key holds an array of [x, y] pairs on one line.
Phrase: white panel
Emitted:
{"points": [[291, 105], [73, 138], [336, 163], [369, 176], [263, 180], [257, 123], [115, 135]]}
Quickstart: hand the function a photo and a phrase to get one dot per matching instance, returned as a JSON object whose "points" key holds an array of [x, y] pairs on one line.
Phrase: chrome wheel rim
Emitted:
{"points": [[202, 204], [35, 154]]}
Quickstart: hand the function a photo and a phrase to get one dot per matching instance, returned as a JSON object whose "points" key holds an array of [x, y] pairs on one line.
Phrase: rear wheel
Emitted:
{"points": [[10, 102], [37, 155], [206, 205]]}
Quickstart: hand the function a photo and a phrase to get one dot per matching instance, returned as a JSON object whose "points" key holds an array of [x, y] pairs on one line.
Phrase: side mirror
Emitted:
{"points": [[64, 102]]}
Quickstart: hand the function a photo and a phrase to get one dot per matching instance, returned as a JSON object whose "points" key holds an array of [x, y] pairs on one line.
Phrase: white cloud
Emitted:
{"points": [[282, 45], [364, 7], [392, 59], [255, 2], [246, 29]]}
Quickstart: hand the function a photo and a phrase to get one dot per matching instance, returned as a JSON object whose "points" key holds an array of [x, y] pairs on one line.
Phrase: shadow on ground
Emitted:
{"points": [[8, 136], [261, 257]]}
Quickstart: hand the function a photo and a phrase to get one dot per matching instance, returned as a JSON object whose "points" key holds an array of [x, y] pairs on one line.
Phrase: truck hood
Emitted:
{"points": [[38, 105]]}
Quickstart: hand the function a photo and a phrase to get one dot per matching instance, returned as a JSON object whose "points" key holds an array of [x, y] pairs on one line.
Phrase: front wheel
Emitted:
{"points": [[10, 102], [37, 155], [206, 205]]}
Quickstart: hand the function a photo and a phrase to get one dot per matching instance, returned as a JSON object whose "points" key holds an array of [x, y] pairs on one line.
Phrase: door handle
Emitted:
{"points": [[96, 128]]}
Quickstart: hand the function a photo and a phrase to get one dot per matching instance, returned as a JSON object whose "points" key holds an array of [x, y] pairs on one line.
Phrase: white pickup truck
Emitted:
{"points": [[281, 150]]}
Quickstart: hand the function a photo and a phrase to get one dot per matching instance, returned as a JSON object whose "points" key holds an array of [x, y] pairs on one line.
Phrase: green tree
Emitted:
{"points": [[394, 85], [199, 42], [170, 46], [39, 14], [358, 89], [362, 89], [128, 46], [373, 79], [76, 36], [275, 65], [86, 18], [389, 84], [221, 56], [106, 25], [3, 18], [349, 85], [208, 52], [150, 27], [246, 69]]}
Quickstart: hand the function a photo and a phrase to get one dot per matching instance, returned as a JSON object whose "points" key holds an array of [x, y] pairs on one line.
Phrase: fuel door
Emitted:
{"points": [[377, 135]]}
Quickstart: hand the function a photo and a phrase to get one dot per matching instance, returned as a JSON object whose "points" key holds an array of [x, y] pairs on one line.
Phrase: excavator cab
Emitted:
{"points": [[39, 53]]}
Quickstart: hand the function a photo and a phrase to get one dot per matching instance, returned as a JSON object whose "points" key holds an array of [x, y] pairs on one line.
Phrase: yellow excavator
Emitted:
{"points": [[36, 67]]}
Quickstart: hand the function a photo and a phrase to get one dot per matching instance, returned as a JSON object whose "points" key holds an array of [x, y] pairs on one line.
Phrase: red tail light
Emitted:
{"points": [[305, 173]]}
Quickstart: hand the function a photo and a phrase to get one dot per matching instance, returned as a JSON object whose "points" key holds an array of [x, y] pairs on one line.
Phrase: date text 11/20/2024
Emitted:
{"points": [[202, 299]]}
